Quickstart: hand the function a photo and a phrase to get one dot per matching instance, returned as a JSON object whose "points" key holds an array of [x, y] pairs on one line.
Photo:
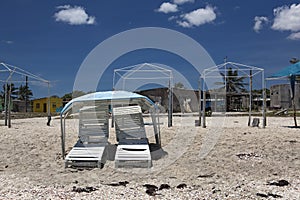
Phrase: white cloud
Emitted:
{"points": [[172, 18], [184, 24], [167, 7], [259, 21], [294, 36], [75, 15], [287, 18], [198, 17], [7, 41], [180, 2], [63, 7]]}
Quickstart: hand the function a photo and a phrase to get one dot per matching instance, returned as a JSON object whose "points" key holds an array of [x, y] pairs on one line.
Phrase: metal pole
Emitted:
{"points": [[9, 104], [26, 86], [294, 103], [250, 99], [6, 104], [203, 108], [62, 127], [203, 104], [170, 110], [157, 111], [200, 100], [226, 87], [49, 111], [295, 114], [264, 101], [215, 102]]}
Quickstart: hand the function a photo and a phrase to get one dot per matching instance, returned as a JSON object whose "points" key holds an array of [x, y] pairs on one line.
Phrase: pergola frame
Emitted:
{"points": [[288, 78], [246, 71], [12, 70], [128, 73]]}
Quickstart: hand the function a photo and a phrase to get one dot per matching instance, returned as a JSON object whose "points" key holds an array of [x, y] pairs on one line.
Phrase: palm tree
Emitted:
{"points": [[13, 91], [232, 81], [24, 93], [13, 94], [233, 84]]}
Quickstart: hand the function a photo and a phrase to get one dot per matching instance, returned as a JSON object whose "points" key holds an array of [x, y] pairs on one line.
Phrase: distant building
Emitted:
{"points": [[2, 106], [41, 105], [183, 100], [20, 106], [281, 96]]}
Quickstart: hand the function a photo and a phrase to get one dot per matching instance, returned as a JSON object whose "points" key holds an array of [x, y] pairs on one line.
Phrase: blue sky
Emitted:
{"points": [[51, 38]]}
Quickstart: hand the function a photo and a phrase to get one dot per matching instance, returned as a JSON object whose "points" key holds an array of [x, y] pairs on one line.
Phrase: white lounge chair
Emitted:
{"points": [[133, 146], [90, 149]]}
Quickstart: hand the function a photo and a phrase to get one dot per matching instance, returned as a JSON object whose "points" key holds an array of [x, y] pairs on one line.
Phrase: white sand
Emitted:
{"points": [[31, 166]]}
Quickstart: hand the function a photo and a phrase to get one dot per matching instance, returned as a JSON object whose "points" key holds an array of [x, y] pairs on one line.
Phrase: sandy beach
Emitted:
{"points": [[226, 160]]}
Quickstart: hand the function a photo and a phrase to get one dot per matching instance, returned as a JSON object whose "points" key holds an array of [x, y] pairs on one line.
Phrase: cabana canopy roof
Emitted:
{"points": [[110, 97], [287, 72]]}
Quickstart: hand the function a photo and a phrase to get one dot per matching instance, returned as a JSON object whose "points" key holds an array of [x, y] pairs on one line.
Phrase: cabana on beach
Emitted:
{"points": [[94, 116], [292, 74]]}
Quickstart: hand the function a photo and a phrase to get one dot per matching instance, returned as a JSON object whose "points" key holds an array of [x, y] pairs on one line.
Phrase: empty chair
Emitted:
{"points": [[133, 148], [90, 149]]}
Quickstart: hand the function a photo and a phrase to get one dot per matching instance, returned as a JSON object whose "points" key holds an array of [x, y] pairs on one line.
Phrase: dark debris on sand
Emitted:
{"points": [[181, 186], [268, 195], [164, 186], [150, 186], [280, 183], [246, 156], [151, 189], [121, 183], [83, 189], [206, 175]]}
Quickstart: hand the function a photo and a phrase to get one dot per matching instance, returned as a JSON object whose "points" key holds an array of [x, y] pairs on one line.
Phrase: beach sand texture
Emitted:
{"points": [[245, 162]]}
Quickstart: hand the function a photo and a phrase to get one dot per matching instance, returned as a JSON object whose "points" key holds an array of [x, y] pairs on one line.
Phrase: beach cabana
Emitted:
{"points": [[230, 79], [290, 73], [105, 102], [9, 75]]}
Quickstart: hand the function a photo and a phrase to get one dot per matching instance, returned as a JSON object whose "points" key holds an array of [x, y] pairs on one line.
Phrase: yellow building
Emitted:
{"points": [[41, 105]]}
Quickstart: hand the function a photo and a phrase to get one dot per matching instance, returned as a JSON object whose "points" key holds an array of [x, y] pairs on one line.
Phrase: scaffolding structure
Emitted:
{"points": [[10, 74], [214, 79], [133, 77]]}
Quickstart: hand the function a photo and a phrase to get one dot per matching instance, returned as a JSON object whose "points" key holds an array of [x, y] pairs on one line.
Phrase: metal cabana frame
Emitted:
{"points": [[146, 73], [220, 71], [290, 74], [13, 76]]}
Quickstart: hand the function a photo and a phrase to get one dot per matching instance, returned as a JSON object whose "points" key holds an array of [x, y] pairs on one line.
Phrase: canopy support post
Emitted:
{"points": [[62, 137], [200, 101], [9, 105], [293, 85], [170, 107], [49, 107], [6, 104], [264, 102], [204, 105], [155, 122], [250, 99]]}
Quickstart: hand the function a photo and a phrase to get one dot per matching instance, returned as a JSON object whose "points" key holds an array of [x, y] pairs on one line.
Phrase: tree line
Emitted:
{"points": [[22, 92]]}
